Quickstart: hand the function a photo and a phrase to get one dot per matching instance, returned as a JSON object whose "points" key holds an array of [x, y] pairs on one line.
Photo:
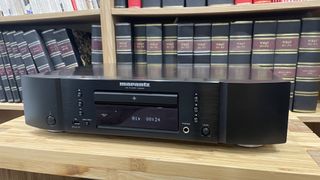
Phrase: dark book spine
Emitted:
{"points": [[6, 71], [11, 69], [20, 68], [53, 49], [96, 45], [154, 49], [4, 80], [202, 49], [120, 4], [140, 49], [2, 93], [286, 53], [219, 51], [185, 50], [124, 49], [240, 47], [151, 3], [172, 3], [197, 3], [69, 51], [217, 2], [308, 68], [38, 51], [25, 53], [170, 49], [264, 43], [243, 2], [124, 43]]}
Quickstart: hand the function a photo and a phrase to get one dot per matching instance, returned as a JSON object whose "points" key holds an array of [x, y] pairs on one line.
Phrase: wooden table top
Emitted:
{"points": [[25, 148]]}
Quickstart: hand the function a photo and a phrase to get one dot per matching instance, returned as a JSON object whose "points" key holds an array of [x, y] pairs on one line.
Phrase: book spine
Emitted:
{"points": [[95, 4], [308, 69], [151, 3], [2, 93], [185, 50], [240, 47], [263, 48], [74, 5], [120, 4], [170, 50], [140, 49], [124, 43], [219, 51], [6, 75], [53, 49], [197, 3], [20, 67], [38, 51], [154, 50], [172, 3], [11, 69], [202, 49], [67, 47], [90, 4], [219, 2], [26, 6], [261, 1], [134, 4], [96, 45], [286, 53], [4, 78], [25, 53], [243, 1]]}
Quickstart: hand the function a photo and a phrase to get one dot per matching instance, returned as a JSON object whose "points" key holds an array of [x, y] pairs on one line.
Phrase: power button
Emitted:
{"points": [[205, 131], [51, 120]]}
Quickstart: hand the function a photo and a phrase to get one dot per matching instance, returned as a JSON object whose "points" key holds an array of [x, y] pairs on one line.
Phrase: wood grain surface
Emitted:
{"points": [[24, 148]]}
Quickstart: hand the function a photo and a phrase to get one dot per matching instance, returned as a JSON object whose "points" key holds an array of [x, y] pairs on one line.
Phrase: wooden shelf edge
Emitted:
{"points": [[47, 17], [219, 9], [11, 106]]}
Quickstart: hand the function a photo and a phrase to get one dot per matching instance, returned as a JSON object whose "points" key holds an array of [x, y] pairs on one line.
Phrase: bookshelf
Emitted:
{"points": [[52, 17], [219, 9], [11, 106]]}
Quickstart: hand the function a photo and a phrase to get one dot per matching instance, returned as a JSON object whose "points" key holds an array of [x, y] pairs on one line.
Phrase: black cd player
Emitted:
{"points": [[96, 100]]}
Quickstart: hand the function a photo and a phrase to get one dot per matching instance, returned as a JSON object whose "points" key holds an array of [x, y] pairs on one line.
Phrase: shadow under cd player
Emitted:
{"points": [[94, 100]]}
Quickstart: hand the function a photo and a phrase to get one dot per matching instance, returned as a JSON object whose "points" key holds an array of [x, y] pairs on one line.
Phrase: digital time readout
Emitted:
{"points": [[144, 117]]}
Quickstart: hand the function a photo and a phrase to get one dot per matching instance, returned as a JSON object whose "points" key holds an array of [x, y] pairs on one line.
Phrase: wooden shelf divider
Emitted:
{"points": [[218, 9], [11, 106], [51, 17]]}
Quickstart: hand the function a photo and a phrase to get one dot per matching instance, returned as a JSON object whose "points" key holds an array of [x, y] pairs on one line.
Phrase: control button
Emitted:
{"points": [[51, 120], [76, 123], [195, 119], [196, 105], [205, 131], [87, 123], [80, 103], [196, 99], [196, 109], [79, 95], [196, 115], [80, 113]]}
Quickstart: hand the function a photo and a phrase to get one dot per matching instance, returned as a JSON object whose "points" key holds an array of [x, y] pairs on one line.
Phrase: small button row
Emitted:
{"points": [[196, 108]]}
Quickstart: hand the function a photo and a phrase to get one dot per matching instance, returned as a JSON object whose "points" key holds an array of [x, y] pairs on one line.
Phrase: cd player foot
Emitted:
{"points": [[249, 146], [55, 131]]}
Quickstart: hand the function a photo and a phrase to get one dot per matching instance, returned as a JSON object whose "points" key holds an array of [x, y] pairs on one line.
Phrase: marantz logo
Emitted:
{"points": [[134, 84]]}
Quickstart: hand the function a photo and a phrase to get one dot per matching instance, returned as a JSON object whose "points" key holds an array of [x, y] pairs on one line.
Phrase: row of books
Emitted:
{"points": [[187, 3], [239, 50], [33, 52], [21, 7]]}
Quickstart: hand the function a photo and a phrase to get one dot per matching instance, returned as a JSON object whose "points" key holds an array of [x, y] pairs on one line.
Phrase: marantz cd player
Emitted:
{"points": [[97, 101]]}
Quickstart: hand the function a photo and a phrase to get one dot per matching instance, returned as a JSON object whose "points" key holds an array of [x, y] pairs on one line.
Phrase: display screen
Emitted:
{"points": [[142, 117]]}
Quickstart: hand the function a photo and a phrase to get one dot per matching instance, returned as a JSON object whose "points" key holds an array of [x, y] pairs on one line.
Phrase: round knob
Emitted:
{"points": [[51, 120], [205, 131]]}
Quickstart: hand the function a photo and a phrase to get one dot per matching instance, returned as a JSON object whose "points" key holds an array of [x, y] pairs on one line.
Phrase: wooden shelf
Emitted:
{"points": [[11, 106], [51, 17], [219, 9], [28, 149]]}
